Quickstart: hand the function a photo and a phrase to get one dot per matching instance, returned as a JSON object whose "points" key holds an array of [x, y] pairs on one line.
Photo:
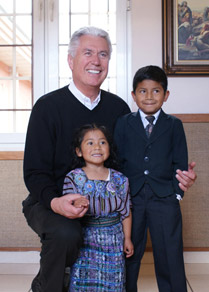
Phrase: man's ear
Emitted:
{"points": [[70, 61], [78, 152], [166, 95]]}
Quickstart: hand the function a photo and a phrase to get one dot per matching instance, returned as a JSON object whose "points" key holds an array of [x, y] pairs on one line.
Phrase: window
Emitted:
{"points": [[83, 13], [15, 66], [53, 23]]}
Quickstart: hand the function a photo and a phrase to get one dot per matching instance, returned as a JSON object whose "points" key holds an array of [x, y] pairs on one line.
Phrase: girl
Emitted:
{"points": [[107, 223]]}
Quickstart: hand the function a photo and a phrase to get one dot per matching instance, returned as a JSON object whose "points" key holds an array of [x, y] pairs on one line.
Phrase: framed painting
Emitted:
{"points": [[186, 37]]}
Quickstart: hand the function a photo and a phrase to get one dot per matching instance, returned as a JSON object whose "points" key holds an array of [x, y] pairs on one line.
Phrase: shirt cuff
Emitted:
{"points": [[178, 197]]}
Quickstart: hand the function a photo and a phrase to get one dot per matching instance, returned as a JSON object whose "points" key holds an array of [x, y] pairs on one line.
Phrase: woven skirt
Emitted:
{"points": [[100, 266]]}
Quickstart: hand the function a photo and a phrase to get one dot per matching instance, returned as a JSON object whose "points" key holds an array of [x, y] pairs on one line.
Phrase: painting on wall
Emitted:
{"points": [[186, 37]]}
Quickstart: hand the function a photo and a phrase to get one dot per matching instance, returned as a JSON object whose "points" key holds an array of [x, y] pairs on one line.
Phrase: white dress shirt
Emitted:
{"points": [[145, 121], [86, 101]]}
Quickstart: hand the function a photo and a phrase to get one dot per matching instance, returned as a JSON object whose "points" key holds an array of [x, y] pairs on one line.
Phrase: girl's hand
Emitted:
{"points": [[64, 206], [128, 248], [81, 202]]}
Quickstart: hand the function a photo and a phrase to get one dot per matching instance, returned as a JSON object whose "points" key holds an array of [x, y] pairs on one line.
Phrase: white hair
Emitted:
{"points": [[88, 30]]}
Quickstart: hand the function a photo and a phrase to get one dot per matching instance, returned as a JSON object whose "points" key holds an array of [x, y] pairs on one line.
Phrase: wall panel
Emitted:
{"points": [[14, 231]]}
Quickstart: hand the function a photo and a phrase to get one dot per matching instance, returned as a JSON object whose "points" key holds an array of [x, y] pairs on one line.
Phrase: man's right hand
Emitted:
{"points": [[64, 206]]}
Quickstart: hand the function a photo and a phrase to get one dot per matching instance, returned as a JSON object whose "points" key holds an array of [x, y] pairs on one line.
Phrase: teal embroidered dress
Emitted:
{"points": [[101, 264]]}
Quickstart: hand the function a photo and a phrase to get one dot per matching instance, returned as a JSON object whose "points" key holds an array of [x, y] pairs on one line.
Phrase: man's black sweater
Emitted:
{"points": [[54, 118]]}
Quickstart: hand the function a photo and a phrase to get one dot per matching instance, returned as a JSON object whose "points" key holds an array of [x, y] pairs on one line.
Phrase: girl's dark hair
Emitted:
{"points": [[78, 162], [150, 72]]}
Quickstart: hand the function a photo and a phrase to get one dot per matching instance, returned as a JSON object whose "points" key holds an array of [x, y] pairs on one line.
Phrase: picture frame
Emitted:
{"points": [[185, 37]]}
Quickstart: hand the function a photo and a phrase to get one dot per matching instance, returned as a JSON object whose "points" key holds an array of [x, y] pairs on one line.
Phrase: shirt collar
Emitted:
{"points": [[82, 98], [143, 115]]}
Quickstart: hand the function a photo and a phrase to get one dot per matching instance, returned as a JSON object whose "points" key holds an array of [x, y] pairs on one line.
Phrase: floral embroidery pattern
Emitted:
{"points": [[79, 180], [111, 188], [89, 188]]}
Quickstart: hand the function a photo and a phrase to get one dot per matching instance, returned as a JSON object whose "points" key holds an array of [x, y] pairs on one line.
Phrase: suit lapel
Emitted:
{"points": [[136, 123], [162, 125]]}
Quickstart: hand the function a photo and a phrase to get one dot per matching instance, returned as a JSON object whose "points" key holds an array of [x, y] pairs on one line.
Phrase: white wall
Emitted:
{"points": [[188, 94]]}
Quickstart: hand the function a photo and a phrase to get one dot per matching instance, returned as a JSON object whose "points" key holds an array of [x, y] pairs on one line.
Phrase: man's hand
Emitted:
{"points": [[65, 206], [186, 178]]}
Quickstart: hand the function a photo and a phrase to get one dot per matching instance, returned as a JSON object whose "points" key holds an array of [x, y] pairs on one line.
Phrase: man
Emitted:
{"points": [[47, 159]]}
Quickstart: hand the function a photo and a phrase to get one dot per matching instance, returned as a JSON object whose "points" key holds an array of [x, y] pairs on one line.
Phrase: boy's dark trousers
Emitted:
{"points": [[163, 218], [61, 239]]}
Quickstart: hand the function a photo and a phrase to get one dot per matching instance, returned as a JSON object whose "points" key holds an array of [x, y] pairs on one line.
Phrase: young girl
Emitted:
{"points": [[107, 223]]}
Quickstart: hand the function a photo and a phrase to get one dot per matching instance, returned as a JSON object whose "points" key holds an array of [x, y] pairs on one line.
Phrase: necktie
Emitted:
{"points": [[150, 126]]}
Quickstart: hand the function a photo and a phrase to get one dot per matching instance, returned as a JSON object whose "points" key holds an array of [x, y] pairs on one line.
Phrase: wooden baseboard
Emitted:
{"points": [[148, 249], [187, 249], [196, 249]]}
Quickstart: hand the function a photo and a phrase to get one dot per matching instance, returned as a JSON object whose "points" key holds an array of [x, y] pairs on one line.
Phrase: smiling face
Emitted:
{"points": [[149, 96], [94, 148], [90, 64]]}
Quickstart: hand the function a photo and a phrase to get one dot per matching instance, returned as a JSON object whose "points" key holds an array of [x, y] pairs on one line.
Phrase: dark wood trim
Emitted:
{"points": [[185, 118], [11, 155], [172, 66], [193, 118], [196, 249]]}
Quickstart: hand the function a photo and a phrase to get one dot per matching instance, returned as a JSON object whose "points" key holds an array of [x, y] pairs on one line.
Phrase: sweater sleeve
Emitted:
{"points": [[39, 154]]}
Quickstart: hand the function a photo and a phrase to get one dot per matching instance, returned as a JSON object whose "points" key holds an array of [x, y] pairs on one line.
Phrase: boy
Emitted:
{"points": [[151, 150]]}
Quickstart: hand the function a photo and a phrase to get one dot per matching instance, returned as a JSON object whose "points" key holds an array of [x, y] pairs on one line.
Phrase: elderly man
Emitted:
{"points": [[47, 159]]}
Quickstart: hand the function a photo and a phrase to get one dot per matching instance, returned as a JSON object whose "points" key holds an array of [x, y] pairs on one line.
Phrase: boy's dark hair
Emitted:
{"points": [[151, 72], [78, 162]]}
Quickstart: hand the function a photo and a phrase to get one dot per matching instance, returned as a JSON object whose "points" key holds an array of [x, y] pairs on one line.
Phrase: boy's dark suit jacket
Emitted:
{"points": [[152, 160]]}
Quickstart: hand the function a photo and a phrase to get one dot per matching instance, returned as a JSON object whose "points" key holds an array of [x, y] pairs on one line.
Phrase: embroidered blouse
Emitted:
{"points": [[104, 197]]}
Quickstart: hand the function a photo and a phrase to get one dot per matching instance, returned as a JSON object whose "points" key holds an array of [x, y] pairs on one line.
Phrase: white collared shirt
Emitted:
{"points": [[86, 101], [145, 121]]}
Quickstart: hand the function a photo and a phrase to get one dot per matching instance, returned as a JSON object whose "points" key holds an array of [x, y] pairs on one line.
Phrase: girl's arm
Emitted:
{"points": [[128, 245]]}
